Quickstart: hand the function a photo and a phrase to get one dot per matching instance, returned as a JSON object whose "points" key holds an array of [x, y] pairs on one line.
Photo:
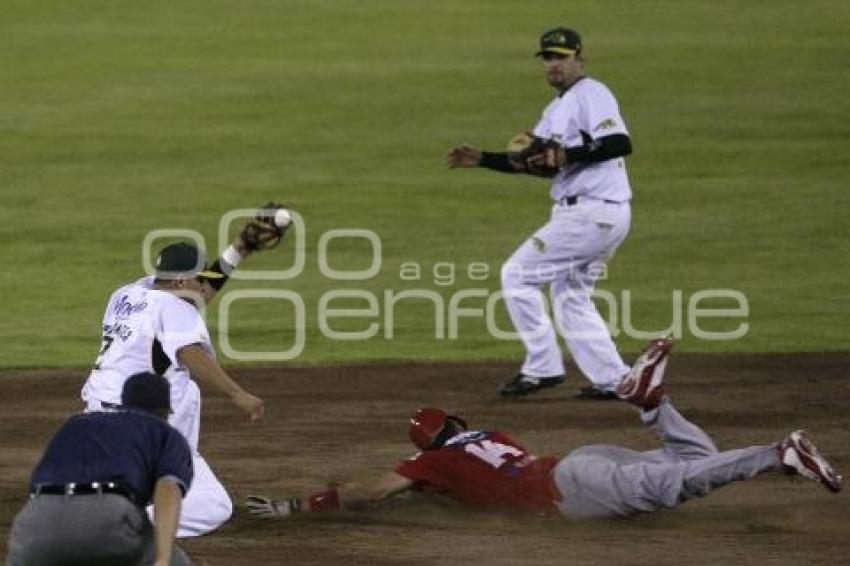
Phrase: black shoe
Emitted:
{"points": [[525, 384], [591, 393]]}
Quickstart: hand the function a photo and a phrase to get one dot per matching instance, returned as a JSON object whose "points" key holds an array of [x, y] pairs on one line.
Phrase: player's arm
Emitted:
{"points": [[356, 495], [349, 495], [226, 264], [465, 156], [260, 233], [530, 154], [522, 156], [167, 498], [600, 149], [206, 370], [553, 157]]}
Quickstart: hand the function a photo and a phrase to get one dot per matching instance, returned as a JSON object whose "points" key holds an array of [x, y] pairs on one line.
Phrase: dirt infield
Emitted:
{"points": [[325, 423]]}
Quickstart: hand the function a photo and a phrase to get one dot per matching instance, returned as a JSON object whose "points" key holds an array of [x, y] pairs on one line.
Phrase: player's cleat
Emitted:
{"points": [[593, 393], [643, 385], [800, 456], [524, 384]]}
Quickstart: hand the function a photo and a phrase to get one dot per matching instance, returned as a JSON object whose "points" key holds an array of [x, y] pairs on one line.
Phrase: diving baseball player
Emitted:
{"points": [[153, 325], [579, 143], [489, 470]]}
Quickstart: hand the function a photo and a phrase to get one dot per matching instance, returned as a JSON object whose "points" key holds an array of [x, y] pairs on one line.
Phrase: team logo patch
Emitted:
{"points": [[538, 244], [606, 124]]}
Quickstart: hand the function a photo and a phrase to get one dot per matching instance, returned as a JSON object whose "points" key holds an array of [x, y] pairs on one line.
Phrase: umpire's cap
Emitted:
{"points": [[183, 261], [563, 41], [427, 424], [147, 391]]}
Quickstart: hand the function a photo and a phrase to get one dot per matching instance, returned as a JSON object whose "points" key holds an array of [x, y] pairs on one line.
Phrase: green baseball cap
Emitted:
{"points": [[183, 261], [563, 41]]}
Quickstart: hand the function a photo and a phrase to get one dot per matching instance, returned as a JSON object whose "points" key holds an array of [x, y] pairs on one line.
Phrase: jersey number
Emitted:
{"points": [[494, 453], [107, 342]]}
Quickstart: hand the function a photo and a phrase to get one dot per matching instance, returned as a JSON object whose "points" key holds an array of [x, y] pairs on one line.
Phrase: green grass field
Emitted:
{"points": [[122, 117]]}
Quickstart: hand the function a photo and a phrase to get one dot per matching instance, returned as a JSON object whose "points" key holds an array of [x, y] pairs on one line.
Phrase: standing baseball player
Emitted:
{"points": [[153, 324], [88, 493], [579, 143], [489, 470]]}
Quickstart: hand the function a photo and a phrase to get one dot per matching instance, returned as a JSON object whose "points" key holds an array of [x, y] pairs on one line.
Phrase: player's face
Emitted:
{"points": [[207, 291], [200, 286], [561, 70], [193, 289]]}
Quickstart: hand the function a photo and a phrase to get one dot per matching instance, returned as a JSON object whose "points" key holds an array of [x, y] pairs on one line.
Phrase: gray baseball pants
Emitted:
{"points": [[611, 481], [90, 530]]}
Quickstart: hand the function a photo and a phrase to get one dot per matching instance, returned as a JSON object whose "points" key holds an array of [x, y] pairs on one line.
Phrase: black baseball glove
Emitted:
{"points": [[262, 232], [537, 157]]}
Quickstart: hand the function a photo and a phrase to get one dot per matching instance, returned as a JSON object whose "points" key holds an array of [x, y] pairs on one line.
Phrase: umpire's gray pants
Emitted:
{"points": [[90, 530], [610, 481]]}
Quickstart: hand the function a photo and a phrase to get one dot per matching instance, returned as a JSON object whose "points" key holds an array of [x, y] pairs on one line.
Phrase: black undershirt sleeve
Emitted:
{"points": [[600, 149], [217, 284], [497, 162], [591, 151]]}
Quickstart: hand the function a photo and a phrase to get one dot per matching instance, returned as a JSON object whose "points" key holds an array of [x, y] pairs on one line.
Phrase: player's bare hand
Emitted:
{"points": [[463, 156], [250, 404]]}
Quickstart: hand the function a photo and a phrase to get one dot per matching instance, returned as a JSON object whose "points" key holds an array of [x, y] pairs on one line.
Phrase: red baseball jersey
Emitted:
{"points": [[485, 470]]}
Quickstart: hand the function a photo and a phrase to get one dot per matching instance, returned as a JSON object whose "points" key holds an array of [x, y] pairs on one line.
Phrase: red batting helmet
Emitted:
{"points": [[427, 423]]}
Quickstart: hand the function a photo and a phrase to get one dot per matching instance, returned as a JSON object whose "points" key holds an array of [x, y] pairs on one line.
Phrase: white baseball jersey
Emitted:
{"points": [[143, 329], [586, 106]]}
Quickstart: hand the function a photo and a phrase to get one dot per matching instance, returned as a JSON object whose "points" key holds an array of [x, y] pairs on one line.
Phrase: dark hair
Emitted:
{"points": [[450, 429]]}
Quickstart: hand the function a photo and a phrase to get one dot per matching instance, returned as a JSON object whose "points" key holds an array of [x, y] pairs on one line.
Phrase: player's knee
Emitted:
{"points": [[215, 509], [220, 506], [214, 514], [695, 487], [221, 510]]}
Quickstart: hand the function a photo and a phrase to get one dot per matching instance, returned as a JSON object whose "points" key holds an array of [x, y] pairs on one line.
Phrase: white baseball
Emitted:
{"points": [[282, 218]]}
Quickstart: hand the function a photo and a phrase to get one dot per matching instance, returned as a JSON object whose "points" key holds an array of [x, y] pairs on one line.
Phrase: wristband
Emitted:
{"points": [[231, 256], [324, 501]]}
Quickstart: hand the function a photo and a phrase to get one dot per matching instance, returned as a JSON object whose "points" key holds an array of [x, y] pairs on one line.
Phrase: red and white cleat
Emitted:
{"points": [[643, 385], [799, 455]]}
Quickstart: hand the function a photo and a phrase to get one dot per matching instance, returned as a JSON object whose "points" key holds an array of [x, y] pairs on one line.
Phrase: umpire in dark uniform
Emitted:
{"points": [[89, 491]]}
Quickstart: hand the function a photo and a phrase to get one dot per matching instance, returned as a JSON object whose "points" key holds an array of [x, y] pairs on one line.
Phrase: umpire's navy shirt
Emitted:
{"points": [[130, 447]]}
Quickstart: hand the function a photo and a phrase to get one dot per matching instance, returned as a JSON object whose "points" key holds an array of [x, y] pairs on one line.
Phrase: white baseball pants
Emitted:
{"points": [[569, 253]]}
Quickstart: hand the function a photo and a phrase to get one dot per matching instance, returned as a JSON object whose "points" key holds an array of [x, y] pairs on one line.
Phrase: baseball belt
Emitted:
{"points": [[573, 200], [92, 488]]}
